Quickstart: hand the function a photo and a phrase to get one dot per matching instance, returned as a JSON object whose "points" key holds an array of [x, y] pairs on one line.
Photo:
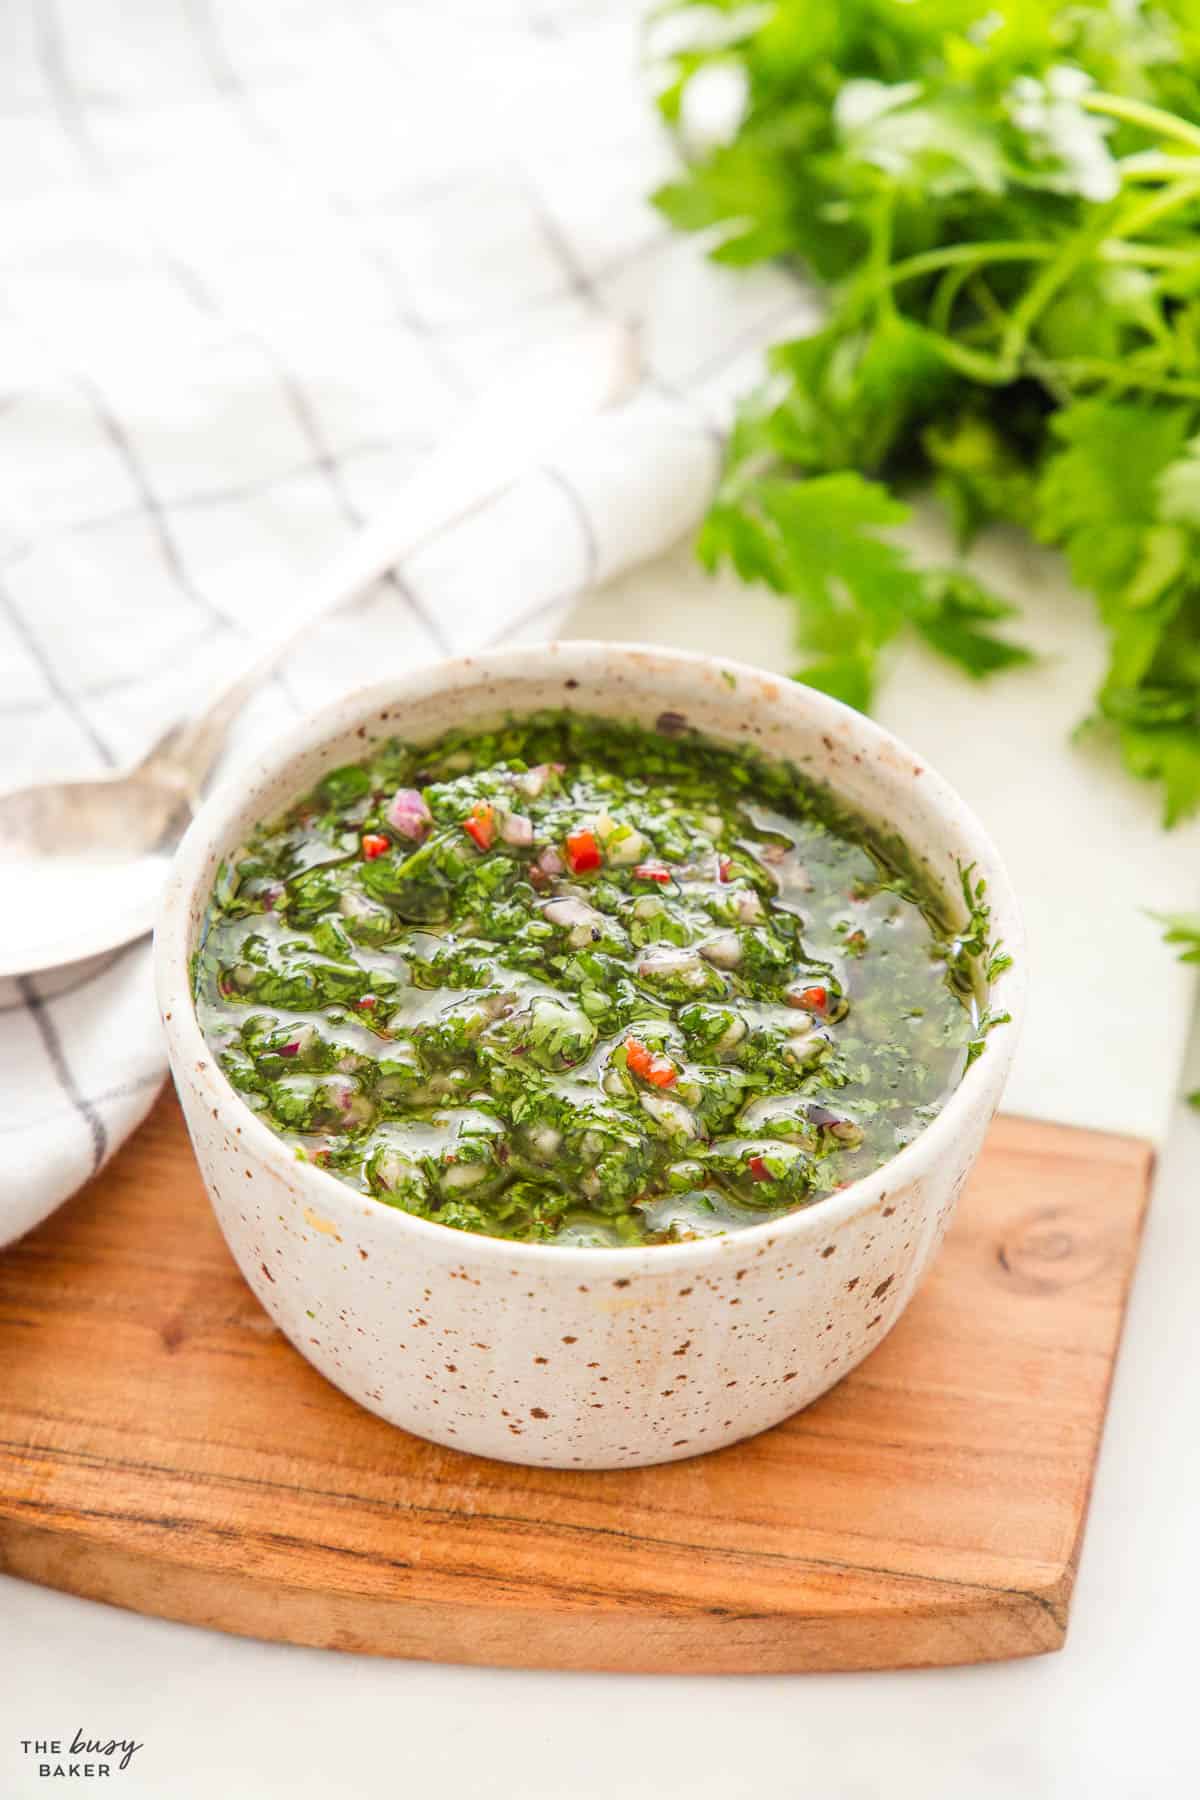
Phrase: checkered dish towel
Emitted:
{"points": [[256, 259]]}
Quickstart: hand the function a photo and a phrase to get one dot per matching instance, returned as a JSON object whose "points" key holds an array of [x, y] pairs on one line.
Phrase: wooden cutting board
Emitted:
{"points": [[162, 1447]]}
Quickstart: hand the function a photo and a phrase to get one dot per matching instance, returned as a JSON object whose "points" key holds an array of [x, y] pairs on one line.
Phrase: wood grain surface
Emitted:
{"points": [[162, 1447]]}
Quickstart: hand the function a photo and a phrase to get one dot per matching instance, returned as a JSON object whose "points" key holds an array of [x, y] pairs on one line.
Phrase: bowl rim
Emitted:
{"points": [[980, 1087]]}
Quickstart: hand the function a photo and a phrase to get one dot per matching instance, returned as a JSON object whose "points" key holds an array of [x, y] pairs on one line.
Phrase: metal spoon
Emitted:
{"points": [[82, 862]]}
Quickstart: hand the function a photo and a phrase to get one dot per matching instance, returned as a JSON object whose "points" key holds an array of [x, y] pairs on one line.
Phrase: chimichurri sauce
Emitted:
{"points": [[577, 982]]}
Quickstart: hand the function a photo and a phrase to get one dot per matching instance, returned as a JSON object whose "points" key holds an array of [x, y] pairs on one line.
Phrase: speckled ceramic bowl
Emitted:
{"points": [[568, 1356]]}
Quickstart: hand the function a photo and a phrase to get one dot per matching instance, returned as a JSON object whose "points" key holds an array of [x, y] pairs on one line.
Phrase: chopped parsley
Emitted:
{"points": [[572, 981]]}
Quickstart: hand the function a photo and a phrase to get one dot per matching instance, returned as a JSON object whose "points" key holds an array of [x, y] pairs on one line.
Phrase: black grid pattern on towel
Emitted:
{"points": [[210, 87]]}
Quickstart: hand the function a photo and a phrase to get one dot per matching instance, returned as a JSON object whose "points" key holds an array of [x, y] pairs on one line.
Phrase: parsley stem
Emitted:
{"points": [[931, 262], [1123, 375], [1070, 257], [1150, 165], [941, 307], [1137, 112], [1157, 206], [1149, 256], [880, 256], [967, 256], [975, 363], [1107, 224]]}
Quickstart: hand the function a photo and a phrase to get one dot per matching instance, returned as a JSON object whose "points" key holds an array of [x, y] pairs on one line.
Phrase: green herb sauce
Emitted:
{"points": [[576, 982]]}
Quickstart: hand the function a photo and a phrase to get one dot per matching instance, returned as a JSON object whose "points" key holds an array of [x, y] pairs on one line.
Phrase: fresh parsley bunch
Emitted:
{"points": [[1003, 199]]}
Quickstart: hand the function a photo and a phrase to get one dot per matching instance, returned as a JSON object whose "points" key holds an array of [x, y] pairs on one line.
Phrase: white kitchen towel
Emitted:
{"points": [[256, 257]]}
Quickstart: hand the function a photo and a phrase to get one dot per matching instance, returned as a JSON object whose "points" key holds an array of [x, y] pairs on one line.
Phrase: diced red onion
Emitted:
{"points": [[622, 849], [724, 951], [568, 911], [585, 925], [670, 1114], [408, 814], [516, 829], [532, 781], [550, 862], [464, 1175], [668, 961], [356, 1109]]}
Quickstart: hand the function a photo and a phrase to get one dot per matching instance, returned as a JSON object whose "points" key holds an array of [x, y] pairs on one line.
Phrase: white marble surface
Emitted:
{"points": [[1110, 1718]]}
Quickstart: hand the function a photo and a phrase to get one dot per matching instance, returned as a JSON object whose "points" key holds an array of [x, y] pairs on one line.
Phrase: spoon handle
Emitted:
{"points": [[516, 421]]}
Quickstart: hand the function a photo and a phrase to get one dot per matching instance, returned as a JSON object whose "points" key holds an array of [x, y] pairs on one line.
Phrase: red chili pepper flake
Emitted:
{"points": [[653, 871], [759, 1169], [375, 844], [725, 869], [815, 999], [480, 824], [658, 1070], [292, 1049], [583, 852], [367, 1001], [321, 1158]]}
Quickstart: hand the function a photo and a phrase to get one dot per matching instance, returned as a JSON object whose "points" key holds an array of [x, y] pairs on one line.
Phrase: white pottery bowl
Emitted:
{"points": [[574, 1357]]}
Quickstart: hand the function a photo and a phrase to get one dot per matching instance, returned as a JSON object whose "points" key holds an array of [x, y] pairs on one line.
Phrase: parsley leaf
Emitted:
{"points": [[1098, 495], [956, 608], [819, 542], [1184, 929]]}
